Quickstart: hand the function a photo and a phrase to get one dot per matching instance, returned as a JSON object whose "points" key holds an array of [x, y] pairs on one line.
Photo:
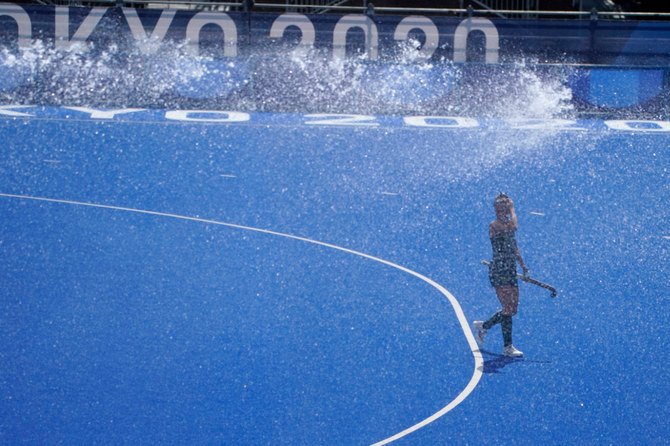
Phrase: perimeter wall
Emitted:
{"points": [[616, 66]]}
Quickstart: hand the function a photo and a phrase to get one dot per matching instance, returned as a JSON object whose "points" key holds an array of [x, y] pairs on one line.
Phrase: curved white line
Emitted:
{"points": [[479, 361]]}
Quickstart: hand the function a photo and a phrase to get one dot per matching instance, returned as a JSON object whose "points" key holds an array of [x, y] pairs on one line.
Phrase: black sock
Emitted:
{"points": [[495, 319], [507, 329]]}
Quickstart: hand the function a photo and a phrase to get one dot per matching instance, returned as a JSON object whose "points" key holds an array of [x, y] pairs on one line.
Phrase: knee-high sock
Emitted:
{"points": [[495, 319], [506, 329]]}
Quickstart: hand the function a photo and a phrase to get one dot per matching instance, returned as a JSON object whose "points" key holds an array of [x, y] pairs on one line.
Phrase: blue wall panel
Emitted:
{"points": [[250, 58]]}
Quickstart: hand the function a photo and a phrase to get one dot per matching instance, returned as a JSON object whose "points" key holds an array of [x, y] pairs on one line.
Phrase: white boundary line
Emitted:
{"points": [[479, 361]]}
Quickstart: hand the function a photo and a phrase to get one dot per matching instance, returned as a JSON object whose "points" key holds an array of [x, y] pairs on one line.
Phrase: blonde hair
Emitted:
{"points": [[502, 197]]}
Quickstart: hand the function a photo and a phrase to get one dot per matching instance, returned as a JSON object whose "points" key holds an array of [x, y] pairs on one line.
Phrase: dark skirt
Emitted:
{"points": [[503, 273]]}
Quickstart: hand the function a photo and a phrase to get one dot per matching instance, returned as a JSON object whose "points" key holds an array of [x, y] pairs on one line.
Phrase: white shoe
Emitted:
{"points": [[480, 332], [512, 352]]}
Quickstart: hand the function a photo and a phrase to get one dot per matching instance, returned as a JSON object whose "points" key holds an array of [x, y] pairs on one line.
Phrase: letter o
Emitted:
{"points": [[629, 126], [223, 21], [214, 116], [22, 19], [456, 122], [464, 29]]}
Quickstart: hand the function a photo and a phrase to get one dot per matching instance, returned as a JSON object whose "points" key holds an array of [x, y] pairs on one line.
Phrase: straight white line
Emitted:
{"points": [[538, 213], [465, 326]]}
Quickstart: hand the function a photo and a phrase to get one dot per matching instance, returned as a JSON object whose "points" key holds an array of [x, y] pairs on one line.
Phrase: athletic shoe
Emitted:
{"points": [[512, 352], [480, 332]]}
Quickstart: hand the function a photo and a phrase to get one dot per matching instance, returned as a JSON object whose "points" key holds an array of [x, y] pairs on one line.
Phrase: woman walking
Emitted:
{"points": [[502, 273]]}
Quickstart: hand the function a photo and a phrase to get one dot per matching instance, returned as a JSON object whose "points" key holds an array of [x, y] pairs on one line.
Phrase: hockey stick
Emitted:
{"points": [[530, 280]]}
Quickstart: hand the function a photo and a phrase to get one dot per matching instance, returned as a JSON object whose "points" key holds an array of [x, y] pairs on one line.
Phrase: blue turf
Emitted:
{"points": [[119, 327]]}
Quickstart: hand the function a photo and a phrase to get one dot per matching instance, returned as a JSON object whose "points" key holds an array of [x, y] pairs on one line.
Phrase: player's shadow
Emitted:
{"points": [[494, 362]]}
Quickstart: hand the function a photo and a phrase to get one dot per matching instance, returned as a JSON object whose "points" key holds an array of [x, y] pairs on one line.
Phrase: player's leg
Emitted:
{"points": [[509, 298], [481, 327]]}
